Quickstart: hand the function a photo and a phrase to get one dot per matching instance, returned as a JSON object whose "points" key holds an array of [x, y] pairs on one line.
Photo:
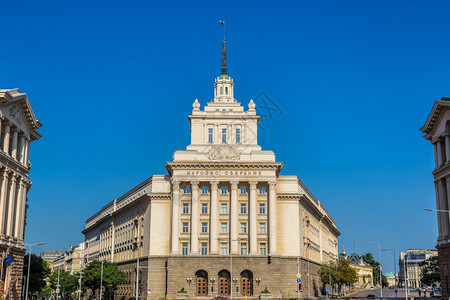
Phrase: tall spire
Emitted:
{"points": [[224, 58]]}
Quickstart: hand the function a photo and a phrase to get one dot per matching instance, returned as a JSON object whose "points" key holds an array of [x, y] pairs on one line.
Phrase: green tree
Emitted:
{"points": [[112, 276], [340, 272], [328, 274], [39, 271], [67, 282], [430, 271]]}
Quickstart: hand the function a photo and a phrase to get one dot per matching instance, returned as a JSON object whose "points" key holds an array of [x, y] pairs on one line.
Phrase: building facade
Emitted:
{"points": [[364, 275], [18, 127], [437, 131], [409, 269], [49, 256], [209, 225], [71, 261]]}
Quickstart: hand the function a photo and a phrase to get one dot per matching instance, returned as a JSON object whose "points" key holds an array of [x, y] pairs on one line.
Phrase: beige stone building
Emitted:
{"points": [[409, 261], [209, 225], [363, 269], [437, 131], [71, 261], [18, 127]]}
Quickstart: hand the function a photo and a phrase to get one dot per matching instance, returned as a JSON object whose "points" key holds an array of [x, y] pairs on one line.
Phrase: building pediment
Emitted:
{"points": [[16, 107], [436, 113]]}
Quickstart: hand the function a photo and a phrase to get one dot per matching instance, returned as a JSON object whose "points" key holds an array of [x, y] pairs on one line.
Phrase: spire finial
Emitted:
{"points": [[224, 58]]}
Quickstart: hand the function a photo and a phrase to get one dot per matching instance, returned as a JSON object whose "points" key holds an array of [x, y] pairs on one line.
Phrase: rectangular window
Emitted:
{"points": [[223, 228], [244, 208], [184, 248], [224, 208], [238, 136], [243, 190], [204, 248], [224, 135], [262, 227], [223, 249], [204, 227], [244, 249], [262, 208], [262, 249], [210, 135], [204, 208], [262, 190], [185, 227], [185, 208], [186, 190], [243, 227], [224, 190], [204, 190]]}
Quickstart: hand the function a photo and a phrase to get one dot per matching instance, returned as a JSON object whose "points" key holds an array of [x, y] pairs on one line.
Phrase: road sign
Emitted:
{"points": [[326, 289], [299, 280], [395, 291], [298, 275], [301, 291], [149, 291]]}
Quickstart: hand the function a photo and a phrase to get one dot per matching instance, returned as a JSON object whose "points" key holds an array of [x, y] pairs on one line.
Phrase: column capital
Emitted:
{"points": [[272, 185], [234, 184], [175, 184], [253, 184], [22, 135], [7, 123], [14, 129], [6, 172], [194, 184], [214, 185]]}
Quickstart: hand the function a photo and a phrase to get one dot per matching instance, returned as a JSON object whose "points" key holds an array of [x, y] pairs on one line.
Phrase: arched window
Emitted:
{"points": [[221, 90], [202, 282], [247, 283], [224, 283], [226, 90]]}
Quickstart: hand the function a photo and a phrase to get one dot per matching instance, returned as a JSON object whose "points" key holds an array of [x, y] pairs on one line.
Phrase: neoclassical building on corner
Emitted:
{"points": [[437, 131], [18, 127], [209, 225]]}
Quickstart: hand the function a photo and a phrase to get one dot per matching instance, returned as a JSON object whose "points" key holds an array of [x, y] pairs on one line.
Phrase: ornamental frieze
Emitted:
{"points": [[224, 152]]}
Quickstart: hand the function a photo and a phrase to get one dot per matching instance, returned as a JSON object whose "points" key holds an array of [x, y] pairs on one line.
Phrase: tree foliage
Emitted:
{"points": [[368, 258], [337, 273], [67, 282], [39, 271], [430, 271], [112, 276]]}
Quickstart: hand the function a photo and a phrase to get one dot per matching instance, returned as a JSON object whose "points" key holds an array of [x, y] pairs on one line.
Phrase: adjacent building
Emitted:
{"points": [[364, 271], [409, 269], [50, 255], [71, 261], [437, 131], [210, 225], [18, 128]]}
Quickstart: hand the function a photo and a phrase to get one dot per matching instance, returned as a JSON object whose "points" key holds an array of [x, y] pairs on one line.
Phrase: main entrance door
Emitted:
{"points": [[245, 286], [201, 286], [247, 283], [224, 283]]}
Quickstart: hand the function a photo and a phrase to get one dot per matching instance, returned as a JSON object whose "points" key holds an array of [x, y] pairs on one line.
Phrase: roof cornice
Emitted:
{"points": [[433, 117]]}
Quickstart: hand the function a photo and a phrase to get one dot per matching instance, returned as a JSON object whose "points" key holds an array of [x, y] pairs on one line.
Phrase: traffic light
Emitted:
{"points": [[300, 287], [269, 260]]}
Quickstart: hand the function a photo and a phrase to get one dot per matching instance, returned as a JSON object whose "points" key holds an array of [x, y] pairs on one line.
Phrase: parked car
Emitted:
{"points": [[371, 296], [371, 288]]}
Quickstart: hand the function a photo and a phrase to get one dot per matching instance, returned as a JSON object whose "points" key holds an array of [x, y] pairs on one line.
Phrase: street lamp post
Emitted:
{"points": [[379, 255], [395, 267], [29, 265]]}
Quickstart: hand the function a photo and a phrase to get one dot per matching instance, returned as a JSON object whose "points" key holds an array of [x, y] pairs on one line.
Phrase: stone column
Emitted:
{"points": [[6, 137], [113, 238], [27, 152], [445, 206], [435, 155], [21, 155], [26, 186], [18, 212], [253, 231], [194, 218], [447, 148], [439, 153], [15, 139], [11, 207], [234, 218], [3, 199], [214, 211], [272, 217], [442, 198], [175, 216]]}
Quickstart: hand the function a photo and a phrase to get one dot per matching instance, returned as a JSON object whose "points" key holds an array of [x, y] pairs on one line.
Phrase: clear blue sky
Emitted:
{"points": [[113, 82]]}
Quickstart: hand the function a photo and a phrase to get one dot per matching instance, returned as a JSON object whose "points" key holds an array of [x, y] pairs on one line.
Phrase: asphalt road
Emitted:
{"points": [[389, 293]]}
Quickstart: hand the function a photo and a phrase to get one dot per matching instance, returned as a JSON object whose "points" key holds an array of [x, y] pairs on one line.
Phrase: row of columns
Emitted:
{"points": [[13, 199], [443, 203], [233, 218], [20, 143]]}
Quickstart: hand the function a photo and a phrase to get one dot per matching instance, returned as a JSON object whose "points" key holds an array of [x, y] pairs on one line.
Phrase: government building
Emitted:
{"points": [[437, 131], [18, 127], [223, 211]]}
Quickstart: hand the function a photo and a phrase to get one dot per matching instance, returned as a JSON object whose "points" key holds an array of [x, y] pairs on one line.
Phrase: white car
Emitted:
{"points": [[371, 288]]}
